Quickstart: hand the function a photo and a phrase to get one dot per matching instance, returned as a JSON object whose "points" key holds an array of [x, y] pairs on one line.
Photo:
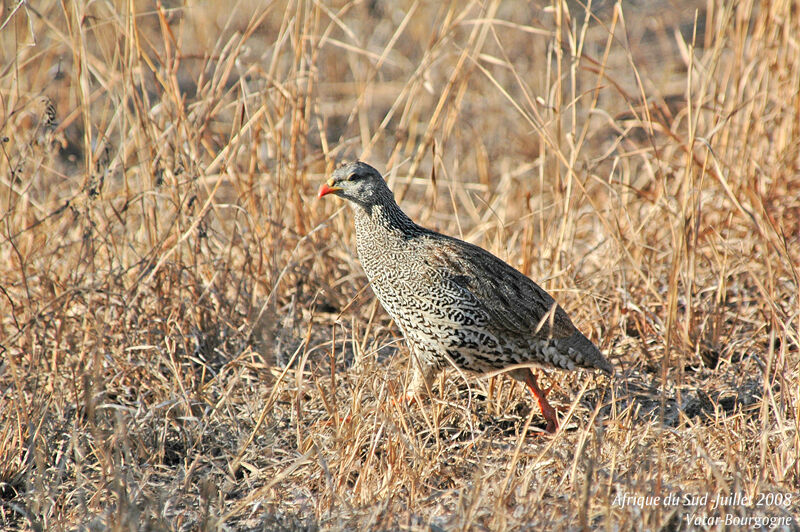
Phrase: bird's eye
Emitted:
{"points": [[353, 177]]}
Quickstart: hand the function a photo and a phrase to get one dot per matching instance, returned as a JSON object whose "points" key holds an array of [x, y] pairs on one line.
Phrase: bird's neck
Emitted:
{"points": [[383, 236], [385, 217]]}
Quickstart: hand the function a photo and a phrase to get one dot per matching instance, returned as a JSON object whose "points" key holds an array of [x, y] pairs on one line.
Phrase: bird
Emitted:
{"points": [[456, 303]]}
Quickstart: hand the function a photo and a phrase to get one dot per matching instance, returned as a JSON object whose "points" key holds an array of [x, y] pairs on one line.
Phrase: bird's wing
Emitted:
{"points": [[513, 302]]}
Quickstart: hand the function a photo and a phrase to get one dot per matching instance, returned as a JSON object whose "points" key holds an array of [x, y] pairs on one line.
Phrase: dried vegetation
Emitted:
{"points": [[188, 341]]}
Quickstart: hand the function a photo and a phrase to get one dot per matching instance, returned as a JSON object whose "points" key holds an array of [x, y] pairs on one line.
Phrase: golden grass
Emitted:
{"points": [[184, 325]]}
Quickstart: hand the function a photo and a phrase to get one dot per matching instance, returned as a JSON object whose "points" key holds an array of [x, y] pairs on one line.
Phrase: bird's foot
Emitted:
{"points": [[406, 400], [549, 413], [337, 420], [334, 419]]}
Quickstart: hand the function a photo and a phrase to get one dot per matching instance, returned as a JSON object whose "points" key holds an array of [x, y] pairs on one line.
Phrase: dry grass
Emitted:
{"points": [[184, 325]]}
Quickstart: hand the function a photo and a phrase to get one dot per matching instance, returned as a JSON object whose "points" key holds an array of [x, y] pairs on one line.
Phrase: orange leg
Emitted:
{"points": [[548, 411], [341, 421], [404, 400]]}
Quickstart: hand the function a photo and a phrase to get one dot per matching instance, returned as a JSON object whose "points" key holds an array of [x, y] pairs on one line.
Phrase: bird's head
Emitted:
{"points": [[357, 182]]}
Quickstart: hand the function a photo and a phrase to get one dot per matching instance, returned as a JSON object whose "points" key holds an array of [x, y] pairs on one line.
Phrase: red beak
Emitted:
{"points": [[325, 189]]}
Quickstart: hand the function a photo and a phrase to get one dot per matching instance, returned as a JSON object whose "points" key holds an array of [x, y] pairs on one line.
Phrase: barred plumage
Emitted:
{"points": [[455, 302]]}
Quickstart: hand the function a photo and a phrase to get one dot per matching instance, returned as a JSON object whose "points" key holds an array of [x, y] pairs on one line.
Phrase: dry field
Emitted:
{"points": [[189, 343]]}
